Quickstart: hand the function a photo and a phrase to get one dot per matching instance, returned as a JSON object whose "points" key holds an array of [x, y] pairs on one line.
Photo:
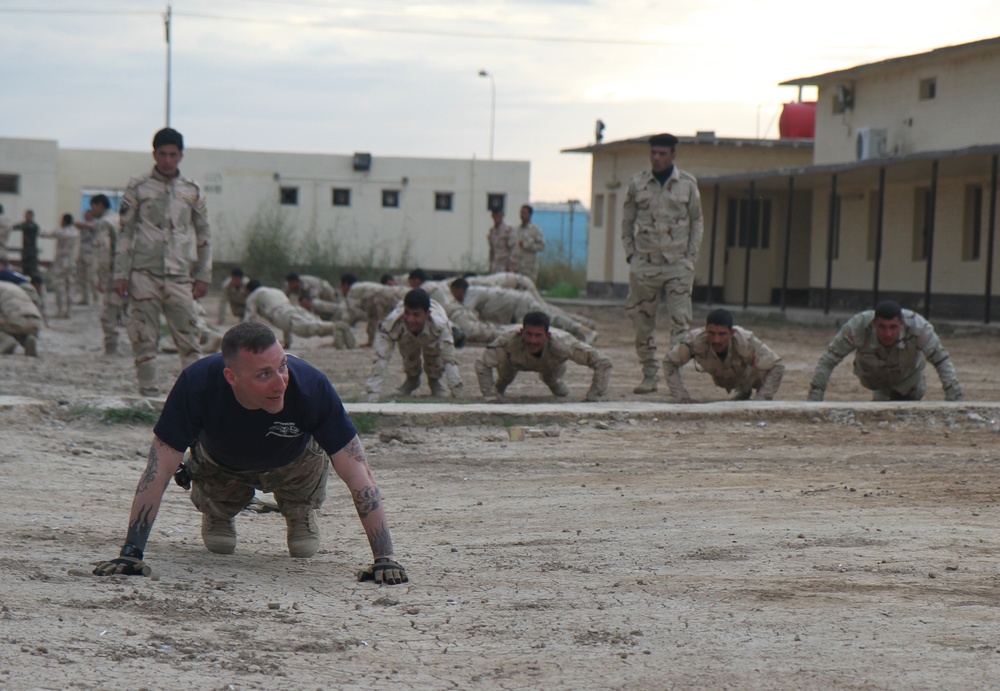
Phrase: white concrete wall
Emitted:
{"points": [[35, 161], [240, 185]]}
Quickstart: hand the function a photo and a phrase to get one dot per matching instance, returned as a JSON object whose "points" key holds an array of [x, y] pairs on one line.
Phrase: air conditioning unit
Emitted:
{"points": [[872, 143]]}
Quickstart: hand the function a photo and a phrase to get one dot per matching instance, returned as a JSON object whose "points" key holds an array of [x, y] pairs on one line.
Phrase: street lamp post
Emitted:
{"points": [[493, 107]]}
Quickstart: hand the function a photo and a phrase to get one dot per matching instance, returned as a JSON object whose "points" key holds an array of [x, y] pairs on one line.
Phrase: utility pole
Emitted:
{"points": [[166, 23]]}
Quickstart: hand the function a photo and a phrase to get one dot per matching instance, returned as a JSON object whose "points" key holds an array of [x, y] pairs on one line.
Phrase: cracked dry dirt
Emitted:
{"points": [[721, 546]]}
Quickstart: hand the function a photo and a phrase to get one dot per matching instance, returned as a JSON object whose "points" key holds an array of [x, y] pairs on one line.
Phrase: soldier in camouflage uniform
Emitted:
{"points": [[163, 223], [105, 224], [234, 295], [502, 306], [891, 346], [735, 358], [476, 330], [534, 347], [274, 306], [661, 232], [516, 281], [86, 261], [419, 327], [20, 320], [317, 288], [67, 239], [370, 302], [5, 228], [528, 242], [502, 240], [29, 243]]}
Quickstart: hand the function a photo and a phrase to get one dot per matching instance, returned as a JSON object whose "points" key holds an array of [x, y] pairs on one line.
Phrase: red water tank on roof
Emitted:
{"points": [[798, 120]]}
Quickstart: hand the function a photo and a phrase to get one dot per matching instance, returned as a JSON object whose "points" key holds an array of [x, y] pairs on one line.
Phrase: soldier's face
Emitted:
{"points": [[458, 293], [661, 158], [497, 218], [535, 339], [525, 214], [887, 331], [719, 338], [259, 380], [168, 158], [414, 319]]}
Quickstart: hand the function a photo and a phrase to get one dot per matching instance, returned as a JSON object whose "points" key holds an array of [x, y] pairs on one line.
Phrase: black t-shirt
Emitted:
{"points": [[202, 406]]}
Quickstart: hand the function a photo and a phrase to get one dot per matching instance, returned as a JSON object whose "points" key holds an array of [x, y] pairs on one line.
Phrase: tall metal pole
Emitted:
{"points": [[991, 239], [929, 238], [493, 107], [831, 229], [711, 252], [879, 230], [166, 22], [788, 243], [572, 205]]}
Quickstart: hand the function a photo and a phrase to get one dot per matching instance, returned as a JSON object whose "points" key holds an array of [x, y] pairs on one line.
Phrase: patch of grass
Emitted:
{"points": [[365, 422], [81, 410], [129, 416]]}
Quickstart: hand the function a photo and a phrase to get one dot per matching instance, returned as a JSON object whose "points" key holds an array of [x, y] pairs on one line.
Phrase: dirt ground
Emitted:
{"points": [[628, 544]]}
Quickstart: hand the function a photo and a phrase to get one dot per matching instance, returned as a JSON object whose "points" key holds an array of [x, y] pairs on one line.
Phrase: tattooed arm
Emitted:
{"points": [[351, 465], [160, 466]]}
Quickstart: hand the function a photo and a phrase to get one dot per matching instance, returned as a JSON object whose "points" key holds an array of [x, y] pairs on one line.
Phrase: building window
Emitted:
{"points": [[289, 196], [390, 199], [10, 183], [443, 201], [740, 230], [972, 224], [341, 196], [495, 202], [928, 89], [921, 223], [598, 213]]}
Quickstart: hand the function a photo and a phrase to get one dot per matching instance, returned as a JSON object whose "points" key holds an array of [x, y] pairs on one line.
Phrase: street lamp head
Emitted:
{"points": [[483, 73]]}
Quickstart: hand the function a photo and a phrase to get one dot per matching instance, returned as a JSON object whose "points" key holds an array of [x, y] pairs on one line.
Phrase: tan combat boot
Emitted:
{"points": [[437, 388], [219, 534], [303, 534], [647, 385], [409, 386]]}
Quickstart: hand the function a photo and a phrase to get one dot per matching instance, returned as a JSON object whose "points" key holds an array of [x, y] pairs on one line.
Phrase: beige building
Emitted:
{"points": [[898, 202], [395, 211], [614, 164]]}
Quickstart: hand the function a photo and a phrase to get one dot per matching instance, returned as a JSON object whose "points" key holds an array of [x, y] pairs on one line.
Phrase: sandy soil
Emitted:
{"points": [[621, 545]]}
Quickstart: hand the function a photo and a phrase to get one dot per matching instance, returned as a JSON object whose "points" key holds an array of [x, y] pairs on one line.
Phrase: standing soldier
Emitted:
{"points": [[66, 238], [734, 357], [29, 243], [5, 228], [502, 240], [661, 231], [86, 262], [20, 320], [163, 223], [274, 306], [105, 225], [528, 242], [421, 328], [536, 348], [234, 295], [891, 346]]}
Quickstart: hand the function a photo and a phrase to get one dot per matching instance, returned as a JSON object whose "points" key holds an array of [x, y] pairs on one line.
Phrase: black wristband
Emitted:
{"points": [[130, 550]]}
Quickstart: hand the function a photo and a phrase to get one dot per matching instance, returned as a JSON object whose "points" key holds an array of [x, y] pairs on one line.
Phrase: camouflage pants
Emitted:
{"points": [[646, 282], [14, 329], [888, 392], [148, 296], [298, 487], [62, 281], [86, 283], [506, 374], [111, 319], [437, 362]]}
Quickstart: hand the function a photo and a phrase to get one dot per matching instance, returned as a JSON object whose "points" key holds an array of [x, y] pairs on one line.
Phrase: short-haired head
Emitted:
{"points": [[253, 284], [417, 299], [536, 318], [67, 219], [664, 139], [348, 279], [460, 283], [720, 317], [386, 279], [888, 309], [253, 337], [101, 199], [529, 208], [418, 275], [167, 136], [237, 272], [292, 277]]}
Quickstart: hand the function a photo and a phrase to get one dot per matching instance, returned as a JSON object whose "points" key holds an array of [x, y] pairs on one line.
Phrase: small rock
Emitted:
{"points": [[274, 605], [600, 424]]}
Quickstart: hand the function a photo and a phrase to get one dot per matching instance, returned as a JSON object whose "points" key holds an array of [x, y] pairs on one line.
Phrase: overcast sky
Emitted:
{"points": [[401, 78]]}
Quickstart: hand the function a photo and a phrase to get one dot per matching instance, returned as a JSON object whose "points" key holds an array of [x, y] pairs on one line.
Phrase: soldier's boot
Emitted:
{"points": [[559, 388], [647, 385], [589, 335], [8, 344], [409, 386], [219, 534], [303, 534], [437, 388], [31, 345]]}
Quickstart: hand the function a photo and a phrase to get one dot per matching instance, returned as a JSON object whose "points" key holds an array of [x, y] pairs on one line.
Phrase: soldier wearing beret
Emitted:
{"points": [[661, 232]]}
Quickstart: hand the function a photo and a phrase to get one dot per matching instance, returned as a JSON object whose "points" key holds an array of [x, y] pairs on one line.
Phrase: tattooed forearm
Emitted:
{"points": [[152, 466], [138, 530], [356, 451], [367, 499], [380, 541]]}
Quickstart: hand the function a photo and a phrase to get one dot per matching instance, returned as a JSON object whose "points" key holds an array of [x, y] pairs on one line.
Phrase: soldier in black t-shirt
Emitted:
{"points": [[256, 418]]}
